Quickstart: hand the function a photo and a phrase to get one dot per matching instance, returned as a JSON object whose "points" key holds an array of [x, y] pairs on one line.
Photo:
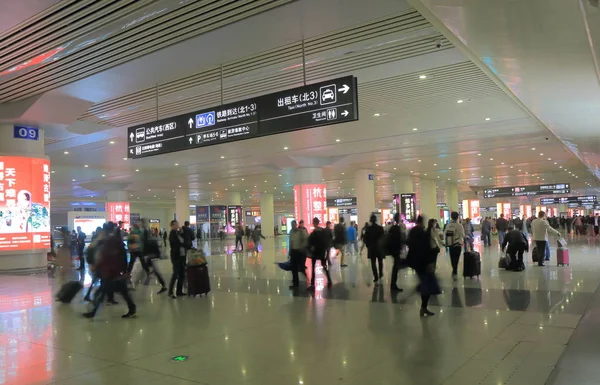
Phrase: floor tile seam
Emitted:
{"points": [[165, 375], [70, 377]]}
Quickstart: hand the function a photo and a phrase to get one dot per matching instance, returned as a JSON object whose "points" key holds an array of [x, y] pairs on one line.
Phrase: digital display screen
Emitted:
{"points": [[24, 203], [310, 201], [88, 225], [119, 212]]}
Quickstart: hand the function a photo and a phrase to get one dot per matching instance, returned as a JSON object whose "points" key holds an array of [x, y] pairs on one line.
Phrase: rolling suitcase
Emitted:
{"points": [[197, 280], [562, 256], [471, 264], [68, 291]]}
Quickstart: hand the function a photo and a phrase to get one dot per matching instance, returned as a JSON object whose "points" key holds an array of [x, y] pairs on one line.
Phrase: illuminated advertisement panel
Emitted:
{"points": [[119, 212], [24, 203], [310, 201]]}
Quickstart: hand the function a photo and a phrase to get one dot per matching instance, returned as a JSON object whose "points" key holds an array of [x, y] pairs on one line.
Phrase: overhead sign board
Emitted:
{"points": [[314, 105], [516, 191], [589, 199], [341, 202]]}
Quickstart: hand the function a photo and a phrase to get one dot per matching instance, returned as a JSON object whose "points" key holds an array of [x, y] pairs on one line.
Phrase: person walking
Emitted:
{"points": [[539, 233], [352, 237], [239, 234], [435, 239], [396, 238], [298, 243], [372, 240], [362, 236], [486, 232], [80, 247], [502, 227], [318, 243], [454, 235], [112, 270], [469, 231], [517, 245], [329, 233], [256, 237], [340, 240], [421, 258], [178, 259], [151, 249]]}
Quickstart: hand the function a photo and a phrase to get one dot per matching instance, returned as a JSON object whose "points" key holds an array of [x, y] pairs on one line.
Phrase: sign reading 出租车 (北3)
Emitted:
{"points": [[320, 104]]}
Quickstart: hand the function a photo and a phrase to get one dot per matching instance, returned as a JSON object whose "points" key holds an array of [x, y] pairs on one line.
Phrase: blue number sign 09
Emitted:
{"points": [[30, 133]]}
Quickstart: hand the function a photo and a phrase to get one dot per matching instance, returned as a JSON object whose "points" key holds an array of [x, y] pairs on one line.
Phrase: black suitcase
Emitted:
{"points": [[198, 281], [471, 264], [68, 291]]}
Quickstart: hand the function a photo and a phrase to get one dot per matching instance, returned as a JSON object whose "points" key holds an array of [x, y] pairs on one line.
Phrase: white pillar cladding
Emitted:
{"points": [[403, 184], [452, 196], [267, 214], [29, 258], [308, 175], [182, 205], [428, 199], [364, 180], [233, 198], [117, 196]]}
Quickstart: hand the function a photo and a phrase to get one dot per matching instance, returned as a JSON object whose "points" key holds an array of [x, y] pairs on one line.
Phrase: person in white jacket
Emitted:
{"points": [[539, 233], [454, 234]]}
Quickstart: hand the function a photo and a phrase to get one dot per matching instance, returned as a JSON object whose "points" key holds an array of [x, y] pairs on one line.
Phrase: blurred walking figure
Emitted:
{"points": [[64, 258], [112, 270], [329, 234], [178, 259], [469, 234], [298, 245], [256, 237], [372, 240], [352, 236], [340, 240], [239, 234], [396, 238], [318, 243], [151, 250], [362, 236], [80, 246]]}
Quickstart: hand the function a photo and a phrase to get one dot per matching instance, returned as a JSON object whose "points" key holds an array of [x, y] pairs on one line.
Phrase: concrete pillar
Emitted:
{"points": [[233, 198], [117, 196], [365, 194], [182, 205], [24, 200], [403, 184], [452, 196], [309, 175], [267, 213], [428, 199]]}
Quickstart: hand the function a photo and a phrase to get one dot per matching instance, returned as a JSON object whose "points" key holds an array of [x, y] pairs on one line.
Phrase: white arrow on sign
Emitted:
{"points": [[345, 113], [191, 140], [191, 122], [131, 136], [131, 151], [344, 88]]}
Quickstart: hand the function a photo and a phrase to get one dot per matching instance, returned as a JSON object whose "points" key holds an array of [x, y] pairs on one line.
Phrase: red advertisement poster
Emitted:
{"points": [[310, 201], [119, 212], [24, 203]]}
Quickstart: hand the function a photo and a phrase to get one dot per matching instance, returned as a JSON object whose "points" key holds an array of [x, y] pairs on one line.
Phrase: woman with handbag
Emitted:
{"points": [[435, 239], [422, 259]]}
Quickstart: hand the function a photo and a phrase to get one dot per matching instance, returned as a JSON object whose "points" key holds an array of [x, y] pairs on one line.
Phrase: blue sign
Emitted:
{"points": [[371, 177], [30, 133], [206, 119]]}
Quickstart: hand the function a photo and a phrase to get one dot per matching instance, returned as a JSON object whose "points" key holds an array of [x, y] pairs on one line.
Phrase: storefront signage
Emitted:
{"points": [[516, 191], [253, 213], [218, 213], [119, 212], [24, 203], [201, 214], [154, 221], [29, 133], [408, 206], [341, 202], [320, 104], [562, 200], [135, 218], [234, 215]]}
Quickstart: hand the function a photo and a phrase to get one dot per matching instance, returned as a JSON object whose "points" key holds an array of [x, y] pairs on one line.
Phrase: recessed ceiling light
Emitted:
{"points": [[491, 158], [519, 170], [435, 164], [124, 158], [532, 148], [179, 186], [103, 175], [53, 171], [487, 118], [285, 148], [502, 163], [549, 158], [176, 164], [222, 157], [337, 140], [419, 160], [209, 182], [66, 152], [541, 154], [377, 114], [511, 166], [478, 154], [73, 180], [559, 166], [112, 142], [376, 165], [137, 170], [459, 101], [425, 174], [422, 76], [415, 129], [86, 166]]}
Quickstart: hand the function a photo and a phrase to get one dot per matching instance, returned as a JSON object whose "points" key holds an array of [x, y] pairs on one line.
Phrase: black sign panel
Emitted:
{"points": [[517, 191], [320, 104], [218, 213], [352, 211], [341, 202], [201, 214], [160, 137], [234, 214], [408, 206], [253, 213], [579, 200]]}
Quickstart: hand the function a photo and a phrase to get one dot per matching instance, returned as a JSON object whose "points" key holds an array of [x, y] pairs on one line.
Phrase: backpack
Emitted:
{"points": [[91, 251], [450, 235]]}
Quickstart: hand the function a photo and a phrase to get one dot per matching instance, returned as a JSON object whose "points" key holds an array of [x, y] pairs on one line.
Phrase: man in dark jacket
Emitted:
{"points": [[396, 238], [340, 240], [372, 239], [318, 243], [112, 270], [517, 245], [178, 245], [188, 236], [151, 250], [502, 227], [239, 234]]}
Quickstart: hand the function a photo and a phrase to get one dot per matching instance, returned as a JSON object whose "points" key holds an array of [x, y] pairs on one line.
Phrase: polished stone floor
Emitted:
{"points": [[534, 327]]}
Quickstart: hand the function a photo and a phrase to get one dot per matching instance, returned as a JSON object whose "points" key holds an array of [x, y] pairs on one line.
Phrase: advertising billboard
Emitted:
{"points": [[24, 203], [310, 201], [119, 212]]}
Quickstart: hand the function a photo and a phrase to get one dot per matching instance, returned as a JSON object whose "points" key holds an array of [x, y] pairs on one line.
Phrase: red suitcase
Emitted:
{"points": [[198, 281], [562, 256]]}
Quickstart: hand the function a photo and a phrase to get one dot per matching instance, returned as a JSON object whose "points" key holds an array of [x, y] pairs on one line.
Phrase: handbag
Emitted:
{"points": [[251, 244], [504, 262]]}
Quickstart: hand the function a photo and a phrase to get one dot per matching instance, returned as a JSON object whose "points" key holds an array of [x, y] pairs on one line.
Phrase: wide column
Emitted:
{"points": [[310, 196], [118, 208], [428, 199], [24, 200], [452, 196], [182, 205], [364, 182], [267, 214], [233, 198], [403, 185]]}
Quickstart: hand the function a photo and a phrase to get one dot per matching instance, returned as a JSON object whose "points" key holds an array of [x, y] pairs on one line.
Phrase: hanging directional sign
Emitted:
{"points": [[320, 104], [590, 199], [516, 191]]}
